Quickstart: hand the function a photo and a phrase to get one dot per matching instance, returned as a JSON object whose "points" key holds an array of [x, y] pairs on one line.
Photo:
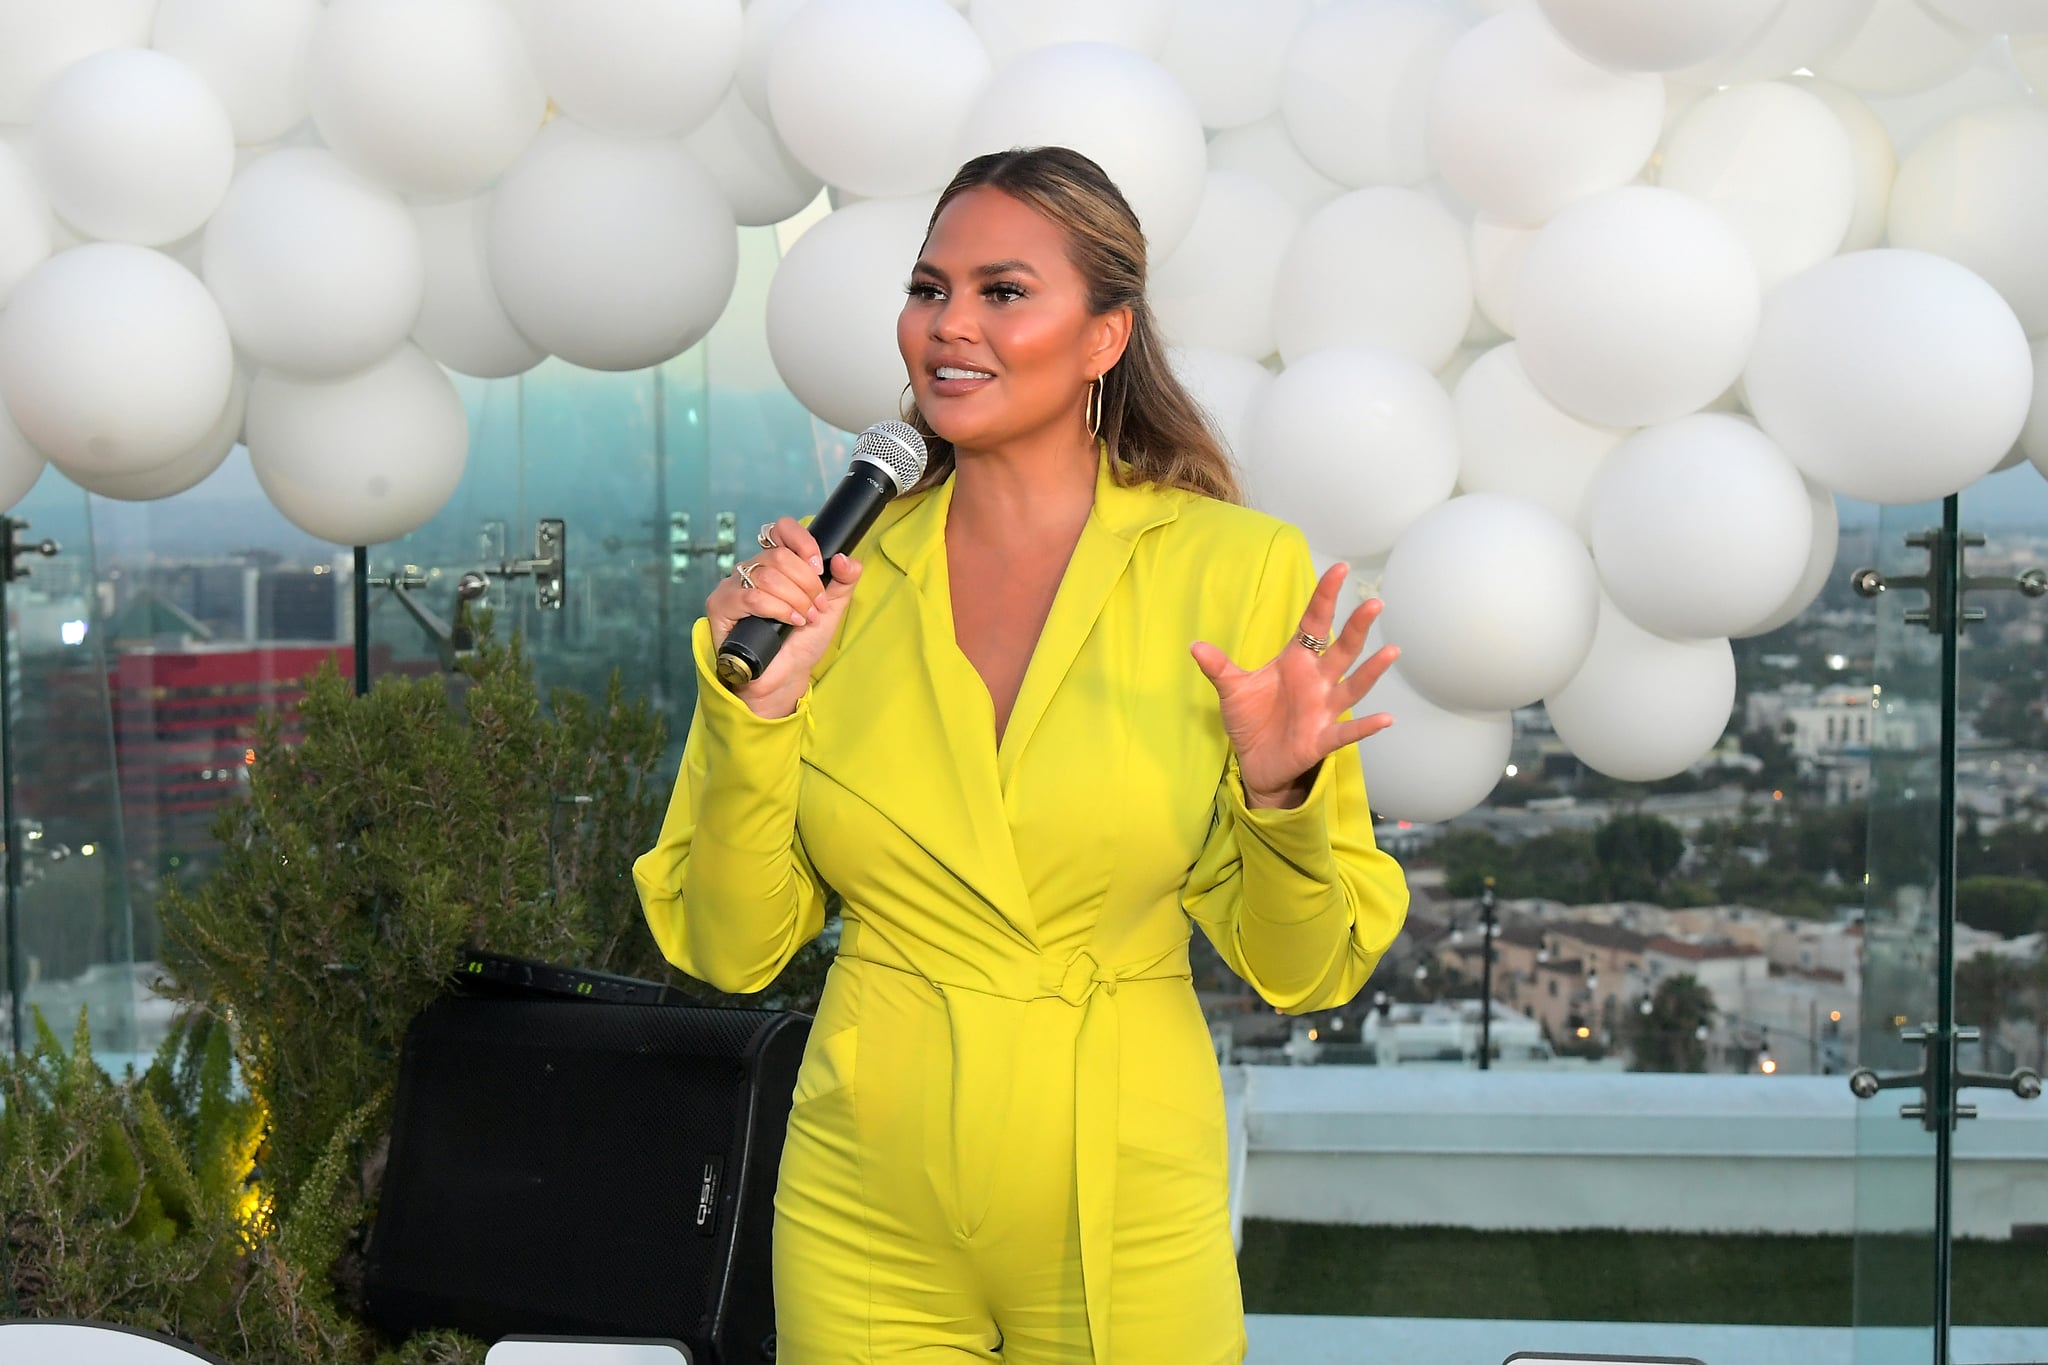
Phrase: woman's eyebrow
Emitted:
{"points": [[1011, 267]]}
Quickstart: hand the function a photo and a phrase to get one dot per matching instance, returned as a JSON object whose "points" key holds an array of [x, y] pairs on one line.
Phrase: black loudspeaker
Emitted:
{"points": [[575, 1168]]}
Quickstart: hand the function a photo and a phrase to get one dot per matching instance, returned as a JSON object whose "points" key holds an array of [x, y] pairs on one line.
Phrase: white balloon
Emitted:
{"points": [[40, 38], [21, 464], [113, 357], [612, 253], [1976, 192], [134, 147], [1497, 252], [1265, 151], [1492, 602], [832, 310], [1229, 54], [1228, 389], [1352, 445], [1992, 17], [25, 240], [1797, 36], [1874, 162], [1778, 166], [1644, 708], [184, 470], [876, 138], [1431, 763], [318, 271], [1820, 561], [763, 27], [1520, 125], [1011, 28], [762, 182], [2030, 59], [1356, 89], [252, 53], [1110, 104], [432, 97], [1893, 376], [1378, 267], [1452, 372], [1626, 35], [463, 323], [639, 67], [363, 459], [1984, 84], [1636, 306], [1217, 288], [1902, 47], [2033, 441], [1517, 442], [1700, 527]]}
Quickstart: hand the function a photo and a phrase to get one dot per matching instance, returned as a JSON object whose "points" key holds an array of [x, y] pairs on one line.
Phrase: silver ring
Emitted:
{"points": [[765, 537], [746, 574], [1314, 644]]}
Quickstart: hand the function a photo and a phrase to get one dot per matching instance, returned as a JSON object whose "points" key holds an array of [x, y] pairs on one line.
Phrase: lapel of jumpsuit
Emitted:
{"points": [[916, 545]]}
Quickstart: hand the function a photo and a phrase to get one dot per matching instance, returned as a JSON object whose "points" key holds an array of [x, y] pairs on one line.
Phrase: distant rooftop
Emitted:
{"points": [[148, 617], [1699, 952]]}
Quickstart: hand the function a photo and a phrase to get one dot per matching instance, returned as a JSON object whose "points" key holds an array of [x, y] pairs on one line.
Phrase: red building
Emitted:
{"points": [[173, 716]]}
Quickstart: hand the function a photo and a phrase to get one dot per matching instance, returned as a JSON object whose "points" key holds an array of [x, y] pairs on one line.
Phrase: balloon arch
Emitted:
{"points": [[1565, 319]]}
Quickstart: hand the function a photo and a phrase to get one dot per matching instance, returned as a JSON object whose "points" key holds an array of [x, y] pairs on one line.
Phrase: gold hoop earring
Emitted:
{"points": [[1095, 407]]}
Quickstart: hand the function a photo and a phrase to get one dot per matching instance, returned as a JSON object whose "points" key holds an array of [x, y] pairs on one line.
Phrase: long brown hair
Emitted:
{"points": [[1155, 431]]}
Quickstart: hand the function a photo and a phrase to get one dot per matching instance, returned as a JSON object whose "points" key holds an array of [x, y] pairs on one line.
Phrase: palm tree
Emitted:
{"points": [[1988, 986]]}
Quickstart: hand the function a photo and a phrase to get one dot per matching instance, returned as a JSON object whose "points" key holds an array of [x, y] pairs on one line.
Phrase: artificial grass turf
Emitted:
{"points": [[1630, 1277]]}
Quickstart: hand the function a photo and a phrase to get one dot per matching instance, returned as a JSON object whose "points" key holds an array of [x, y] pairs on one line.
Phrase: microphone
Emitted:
{"points": [[887, 459]]}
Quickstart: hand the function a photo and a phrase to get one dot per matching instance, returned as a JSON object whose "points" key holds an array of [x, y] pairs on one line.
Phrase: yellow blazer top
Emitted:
{"points": [[1073, 856]]}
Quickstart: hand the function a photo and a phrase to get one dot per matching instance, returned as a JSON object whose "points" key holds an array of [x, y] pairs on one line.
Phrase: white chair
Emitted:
{"points": [[586, 1351], [67, 1342]]}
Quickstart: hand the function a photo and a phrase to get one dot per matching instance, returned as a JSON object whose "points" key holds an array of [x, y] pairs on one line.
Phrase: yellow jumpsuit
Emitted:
{"points": [[1006, 1141]]}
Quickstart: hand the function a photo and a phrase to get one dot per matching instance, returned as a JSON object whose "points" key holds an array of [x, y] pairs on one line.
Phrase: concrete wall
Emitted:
{"points": [[1564, 1150]]}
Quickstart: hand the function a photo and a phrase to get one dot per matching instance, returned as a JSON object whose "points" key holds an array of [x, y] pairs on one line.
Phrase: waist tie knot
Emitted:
{"points": [[1077, 980]]}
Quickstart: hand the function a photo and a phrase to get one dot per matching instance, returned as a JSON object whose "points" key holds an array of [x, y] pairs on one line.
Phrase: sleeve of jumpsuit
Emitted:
{"points": [[726, 889], [1300, 902]]}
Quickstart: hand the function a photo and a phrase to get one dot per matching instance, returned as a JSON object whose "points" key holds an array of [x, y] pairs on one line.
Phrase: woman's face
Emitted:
{"points": [[996, 332]]}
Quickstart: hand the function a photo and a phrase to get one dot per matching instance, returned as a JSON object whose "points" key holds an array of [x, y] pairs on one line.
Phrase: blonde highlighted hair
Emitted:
{"points": [[1155, 431]]}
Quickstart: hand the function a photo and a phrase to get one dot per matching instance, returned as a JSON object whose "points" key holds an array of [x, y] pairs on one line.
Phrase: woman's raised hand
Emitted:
{"points": [[784, 582], [1284, 719]]}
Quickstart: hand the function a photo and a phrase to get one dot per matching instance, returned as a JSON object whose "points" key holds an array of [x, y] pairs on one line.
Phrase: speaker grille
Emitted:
{"points": [[547, 1166]]}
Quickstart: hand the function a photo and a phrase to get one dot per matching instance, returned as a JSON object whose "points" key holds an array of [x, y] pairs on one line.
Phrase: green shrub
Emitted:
{"points": [[403, 826]]}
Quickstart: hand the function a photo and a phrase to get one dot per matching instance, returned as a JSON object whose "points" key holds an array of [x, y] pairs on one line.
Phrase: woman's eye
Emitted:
{"points": [[917, 289], [1004, 293]]}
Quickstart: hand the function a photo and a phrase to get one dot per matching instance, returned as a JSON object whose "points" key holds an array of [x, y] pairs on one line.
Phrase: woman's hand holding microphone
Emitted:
{"points": [[784, 583]]}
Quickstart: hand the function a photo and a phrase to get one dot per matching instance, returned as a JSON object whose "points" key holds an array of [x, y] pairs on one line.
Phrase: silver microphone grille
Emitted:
{"points": [[895, 448]]}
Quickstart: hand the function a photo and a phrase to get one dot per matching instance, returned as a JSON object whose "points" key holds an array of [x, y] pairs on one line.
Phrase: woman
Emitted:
{"points": [[1007, 1136]]}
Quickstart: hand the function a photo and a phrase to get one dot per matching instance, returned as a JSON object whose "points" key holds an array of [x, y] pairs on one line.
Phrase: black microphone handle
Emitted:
{"points": [[838, 527]]}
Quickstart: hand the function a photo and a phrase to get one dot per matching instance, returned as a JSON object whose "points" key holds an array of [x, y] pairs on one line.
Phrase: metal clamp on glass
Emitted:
{"points": [[684, 552], [454, 640], [1871, 583], [1865, 1083]]}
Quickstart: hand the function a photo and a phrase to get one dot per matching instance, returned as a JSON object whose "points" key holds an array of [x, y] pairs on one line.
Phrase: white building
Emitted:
{"points": [[1833, 721], [1725, 969]]}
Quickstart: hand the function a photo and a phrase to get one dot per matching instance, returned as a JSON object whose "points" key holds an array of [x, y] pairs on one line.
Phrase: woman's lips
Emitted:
{"points": [[950, 381]]}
